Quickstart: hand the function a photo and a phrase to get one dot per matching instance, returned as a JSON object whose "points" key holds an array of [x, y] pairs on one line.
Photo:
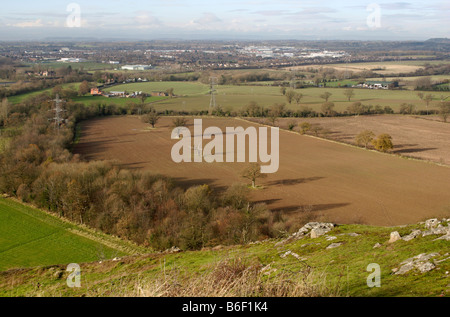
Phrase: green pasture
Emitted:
{"points": [[30, 237]]}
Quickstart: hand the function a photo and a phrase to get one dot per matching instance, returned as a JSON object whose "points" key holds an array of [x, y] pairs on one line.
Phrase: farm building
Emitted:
{"points": [[96, 92], [377, 84], [72, 60], [159, 94], [137, 67], [116, 94]]}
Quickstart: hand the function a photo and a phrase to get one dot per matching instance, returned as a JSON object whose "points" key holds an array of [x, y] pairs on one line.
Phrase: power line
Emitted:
{"points": [[58, 111], [212, 103]]}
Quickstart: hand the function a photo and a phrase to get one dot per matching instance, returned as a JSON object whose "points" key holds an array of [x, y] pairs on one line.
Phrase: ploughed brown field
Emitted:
{"points": [[425, 138], [339, 183]]}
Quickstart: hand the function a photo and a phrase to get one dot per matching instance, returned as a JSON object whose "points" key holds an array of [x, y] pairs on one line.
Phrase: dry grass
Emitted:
{"points": [[234, 278]]}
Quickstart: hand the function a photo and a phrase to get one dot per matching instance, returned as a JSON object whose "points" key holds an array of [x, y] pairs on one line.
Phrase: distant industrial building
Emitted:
{"points": [[137, 67], [72, 60]]}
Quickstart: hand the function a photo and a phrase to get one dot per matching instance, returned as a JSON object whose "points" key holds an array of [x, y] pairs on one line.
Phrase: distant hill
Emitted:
{"points": [[439, 40]]}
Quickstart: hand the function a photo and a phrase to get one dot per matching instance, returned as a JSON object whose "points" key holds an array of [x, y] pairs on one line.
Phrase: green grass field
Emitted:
{"points": [[22, 97], [30, 237], [236, 97], [88, 99], [180, 88]]}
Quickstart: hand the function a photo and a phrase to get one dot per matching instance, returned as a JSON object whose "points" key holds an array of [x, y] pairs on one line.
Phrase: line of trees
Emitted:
{"points": [[382, 143]]}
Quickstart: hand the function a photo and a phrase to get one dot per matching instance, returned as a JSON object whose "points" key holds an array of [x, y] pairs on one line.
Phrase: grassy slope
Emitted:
{"points": [[22, 97], [30, 237], [342, 270]]}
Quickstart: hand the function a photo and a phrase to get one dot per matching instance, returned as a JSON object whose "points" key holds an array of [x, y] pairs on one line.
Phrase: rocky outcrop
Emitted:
{"points": [[420, 262], [412, 235], [437, 230], [313, 229], [434, 226], [432, 223]]}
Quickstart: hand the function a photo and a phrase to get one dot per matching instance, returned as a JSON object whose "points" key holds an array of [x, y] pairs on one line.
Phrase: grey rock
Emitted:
{"points": [[330, 238], [421, 262], [395, 236], [445, 237], [315, 225], [334, 245], [318, 232], [405, 268], [289, 252], [173, 250], [425, 267], [377, 245], [412, 235], [437, 230], [432, 223]]}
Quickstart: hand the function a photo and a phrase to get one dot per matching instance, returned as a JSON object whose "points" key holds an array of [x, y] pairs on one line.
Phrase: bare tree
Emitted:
{"points": [[170, 92], [84, 88], [364, 138], [152, 118], [179, 124], [253, 172], [428, 98], [328, 109], [298, 97], [290, 94], [276, 110], [349, 93], [444, 110], [326, 95]]}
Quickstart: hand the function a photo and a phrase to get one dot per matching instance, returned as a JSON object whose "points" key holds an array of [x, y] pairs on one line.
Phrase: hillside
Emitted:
{"points": [[321, 259], [31, 237]]}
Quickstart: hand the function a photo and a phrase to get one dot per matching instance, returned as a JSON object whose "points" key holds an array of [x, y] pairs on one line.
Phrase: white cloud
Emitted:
{"points": [[28, 24], [146, 19], [207, 18]]}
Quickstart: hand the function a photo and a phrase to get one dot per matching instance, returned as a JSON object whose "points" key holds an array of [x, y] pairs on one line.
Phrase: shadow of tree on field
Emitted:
{"points": [[414, 150], [312, 208], [267, 201], [185, 183], [293, 181]]}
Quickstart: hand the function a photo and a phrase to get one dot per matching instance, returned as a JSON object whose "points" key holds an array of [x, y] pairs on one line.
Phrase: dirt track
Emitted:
{"points": [[340, 183]]}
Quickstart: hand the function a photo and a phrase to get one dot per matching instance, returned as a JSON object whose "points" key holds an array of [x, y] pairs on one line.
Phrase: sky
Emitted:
{"points": [[224, 20]]}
